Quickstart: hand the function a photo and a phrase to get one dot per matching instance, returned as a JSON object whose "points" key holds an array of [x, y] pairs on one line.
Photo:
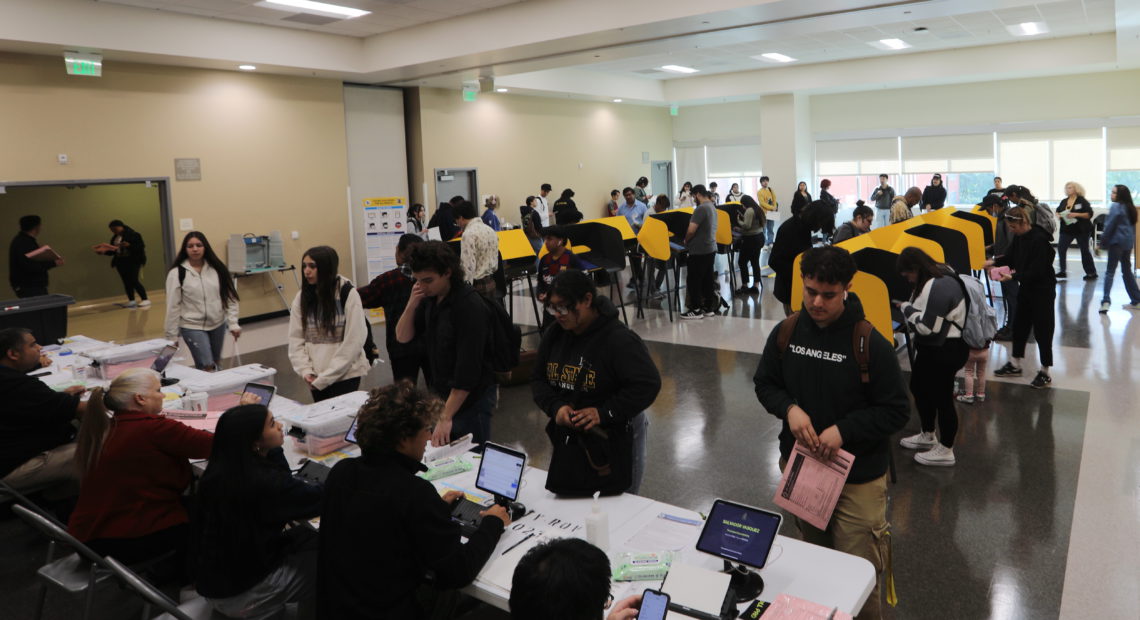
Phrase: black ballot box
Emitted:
{"points": [[45, 315]]}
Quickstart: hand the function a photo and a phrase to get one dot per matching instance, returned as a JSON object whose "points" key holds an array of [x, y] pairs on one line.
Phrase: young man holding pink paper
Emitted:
{"points": [[811, 379]]}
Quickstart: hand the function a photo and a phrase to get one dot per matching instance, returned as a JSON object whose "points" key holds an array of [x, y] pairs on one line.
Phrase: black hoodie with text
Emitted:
{"points": [[818, 372], [622, 380]]}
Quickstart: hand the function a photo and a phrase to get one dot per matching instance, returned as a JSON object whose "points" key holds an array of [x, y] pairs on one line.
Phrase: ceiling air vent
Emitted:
{"points": [[311, 20]]}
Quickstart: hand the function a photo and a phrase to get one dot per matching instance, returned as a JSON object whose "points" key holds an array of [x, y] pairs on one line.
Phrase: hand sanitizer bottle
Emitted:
{"points": [[598, 526]]}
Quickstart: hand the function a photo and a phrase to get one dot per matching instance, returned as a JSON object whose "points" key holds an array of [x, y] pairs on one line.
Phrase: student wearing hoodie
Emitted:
{"points": [[622, 381], [326, 337], [860, 223], [846, 413], [201, 301]]}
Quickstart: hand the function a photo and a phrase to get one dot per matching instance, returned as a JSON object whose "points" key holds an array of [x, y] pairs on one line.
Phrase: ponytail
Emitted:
{"points": [[92, 431], [98, 422]]}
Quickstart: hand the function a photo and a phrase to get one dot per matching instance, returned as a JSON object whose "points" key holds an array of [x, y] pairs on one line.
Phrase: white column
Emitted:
{"points": [[785, 141]]}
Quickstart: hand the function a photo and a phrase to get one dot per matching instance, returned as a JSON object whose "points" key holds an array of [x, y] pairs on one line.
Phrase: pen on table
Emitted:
{"points": [[509, 549], [831, 616]]}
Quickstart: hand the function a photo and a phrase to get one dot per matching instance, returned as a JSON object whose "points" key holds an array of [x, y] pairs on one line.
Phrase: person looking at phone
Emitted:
{"points": [[454, 320], [812, 381], [566, 579], [384, 529]]}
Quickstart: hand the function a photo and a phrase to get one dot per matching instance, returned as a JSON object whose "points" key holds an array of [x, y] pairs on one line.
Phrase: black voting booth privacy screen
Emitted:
{"points": [[606, 248], [955, 247], [45, 315], [980, 220]]}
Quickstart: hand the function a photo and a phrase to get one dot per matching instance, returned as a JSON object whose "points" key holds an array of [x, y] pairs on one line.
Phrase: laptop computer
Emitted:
{"points": [[500, 474]]}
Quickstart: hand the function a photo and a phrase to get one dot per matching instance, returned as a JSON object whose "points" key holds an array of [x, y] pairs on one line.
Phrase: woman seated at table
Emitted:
{"points": [[248, 565], [135, 466], [384, 530]]}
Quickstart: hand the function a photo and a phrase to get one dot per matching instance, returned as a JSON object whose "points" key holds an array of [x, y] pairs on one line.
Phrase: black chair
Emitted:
{"points": [[607, 252]]}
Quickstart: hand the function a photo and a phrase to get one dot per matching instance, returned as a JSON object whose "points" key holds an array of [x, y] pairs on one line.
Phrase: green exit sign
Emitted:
{"points": [[83, 64]]}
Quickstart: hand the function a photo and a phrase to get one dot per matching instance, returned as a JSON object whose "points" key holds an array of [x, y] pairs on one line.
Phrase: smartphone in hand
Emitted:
{"points": [[654, 605]]}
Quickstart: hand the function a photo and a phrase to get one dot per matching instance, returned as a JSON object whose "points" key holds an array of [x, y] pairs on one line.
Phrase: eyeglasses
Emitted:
{"points": [[609, 601], [557, 310]]}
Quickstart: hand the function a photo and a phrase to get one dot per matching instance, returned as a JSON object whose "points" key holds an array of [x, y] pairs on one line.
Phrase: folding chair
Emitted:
{"points": [[197, 608]]}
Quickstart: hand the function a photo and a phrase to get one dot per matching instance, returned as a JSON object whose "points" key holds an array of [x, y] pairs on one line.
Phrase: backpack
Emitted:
{"points": [[1044, 217], [505, 338], [981, 320], [371, 351], [860, 342]]}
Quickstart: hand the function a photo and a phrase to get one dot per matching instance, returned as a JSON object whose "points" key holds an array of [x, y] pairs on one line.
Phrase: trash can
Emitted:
{"points": [[45, 315]]}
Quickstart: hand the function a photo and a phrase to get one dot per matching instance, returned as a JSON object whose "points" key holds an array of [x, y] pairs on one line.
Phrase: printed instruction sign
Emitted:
{"points": [[385, 220]]}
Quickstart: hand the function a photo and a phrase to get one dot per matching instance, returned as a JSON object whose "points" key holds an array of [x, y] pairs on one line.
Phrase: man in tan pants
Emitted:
{"points": [[831, 396]]}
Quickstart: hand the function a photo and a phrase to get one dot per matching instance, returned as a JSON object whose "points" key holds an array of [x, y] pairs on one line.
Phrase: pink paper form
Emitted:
{"points": [[810, 487]]}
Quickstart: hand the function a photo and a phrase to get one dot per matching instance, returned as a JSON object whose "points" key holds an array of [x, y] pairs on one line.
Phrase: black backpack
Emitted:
{"points": [[505, 338], [371, 352]]}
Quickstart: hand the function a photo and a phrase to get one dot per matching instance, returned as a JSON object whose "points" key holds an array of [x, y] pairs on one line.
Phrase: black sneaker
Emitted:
{"points": [[1009, 370], [1003, 333], [693, 315], [1042, 380], [1090, 276], [1062, 275]]}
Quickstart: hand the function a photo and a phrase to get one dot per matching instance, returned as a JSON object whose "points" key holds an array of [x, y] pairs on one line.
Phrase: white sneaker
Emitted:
{"points": [[920, 441], [692, 315], [1131, 306], [1104, 306], [966, 398], [144, 303], [979, 398], [132, 304], [938, 456]]}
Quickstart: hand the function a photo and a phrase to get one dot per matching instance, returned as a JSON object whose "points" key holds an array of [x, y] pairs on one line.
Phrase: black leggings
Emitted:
{"points": [[129, 274], [336, 389], [932, 384], [1035, 310], [750, 246], [699, 281]]}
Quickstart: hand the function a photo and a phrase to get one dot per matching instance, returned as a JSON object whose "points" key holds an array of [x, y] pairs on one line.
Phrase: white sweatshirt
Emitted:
{"points": [[337, 357], [197, 302]]}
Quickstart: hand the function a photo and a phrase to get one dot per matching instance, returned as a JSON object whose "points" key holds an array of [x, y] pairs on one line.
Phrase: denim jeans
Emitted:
{"points": [[476, 417], [1063, 241], [882, 217], [769, 232], [639, 429], [205, 346], [1118, 254]]}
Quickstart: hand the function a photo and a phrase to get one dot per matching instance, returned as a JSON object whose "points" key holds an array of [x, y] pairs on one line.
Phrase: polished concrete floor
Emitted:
{"points": [[1039, 519]]}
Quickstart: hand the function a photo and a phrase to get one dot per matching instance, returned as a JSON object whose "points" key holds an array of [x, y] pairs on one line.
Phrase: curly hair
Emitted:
{"points": [[394, 413]]}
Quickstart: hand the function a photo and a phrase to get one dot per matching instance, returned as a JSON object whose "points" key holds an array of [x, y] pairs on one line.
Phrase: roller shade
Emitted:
{"points": [[1044, 161], [844, 157], [734, 160], [961, 153], [690, 164], [1124, 148]]}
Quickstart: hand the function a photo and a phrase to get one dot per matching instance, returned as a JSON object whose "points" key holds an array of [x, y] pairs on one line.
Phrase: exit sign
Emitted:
{"points": [[83, 64]]}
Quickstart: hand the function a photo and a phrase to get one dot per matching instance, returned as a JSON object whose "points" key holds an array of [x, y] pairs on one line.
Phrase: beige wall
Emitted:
{"points": [[1032, 99], [718, 122], [272, 147], [519, 142]]}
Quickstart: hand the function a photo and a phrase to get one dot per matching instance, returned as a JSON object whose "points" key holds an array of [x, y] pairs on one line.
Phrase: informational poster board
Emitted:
{"points": [[385, 220]]}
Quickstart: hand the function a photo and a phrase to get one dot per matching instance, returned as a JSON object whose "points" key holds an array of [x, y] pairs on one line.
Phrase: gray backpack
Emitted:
{"points": [[1044, 217], [981, 320]]}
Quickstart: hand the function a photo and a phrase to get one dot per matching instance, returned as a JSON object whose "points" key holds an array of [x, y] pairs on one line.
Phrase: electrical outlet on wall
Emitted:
{"points": [[186, 223], [296, 234], [63, 159]]}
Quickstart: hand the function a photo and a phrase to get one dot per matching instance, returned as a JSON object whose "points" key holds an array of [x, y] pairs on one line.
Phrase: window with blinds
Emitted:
{"points": [[945, 154], [734, 160], [1045, 161]]}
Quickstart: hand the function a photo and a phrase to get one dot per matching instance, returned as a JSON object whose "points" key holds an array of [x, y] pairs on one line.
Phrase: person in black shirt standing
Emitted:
{"points": [[565, 209], [36, 431], [390, 291], [384, 530], [455, 329], [28, 277], [1075, 214], [444, 218], [128, 252], [934, 196], [249, 564]]}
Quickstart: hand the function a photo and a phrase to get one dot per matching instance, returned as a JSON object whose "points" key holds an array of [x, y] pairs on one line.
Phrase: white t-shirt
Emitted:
{"points": [[543, 210]]}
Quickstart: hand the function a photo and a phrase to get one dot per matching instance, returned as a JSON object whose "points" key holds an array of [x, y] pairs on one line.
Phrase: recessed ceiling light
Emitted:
{"points": [[500, 90], [1028, 29], [617, 100], [775, 57], [248, 67], [890, 44], [678, 69], [316, 8]]}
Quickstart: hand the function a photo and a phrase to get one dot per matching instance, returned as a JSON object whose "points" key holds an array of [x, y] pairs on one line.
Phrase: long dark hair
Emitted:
{"points": [[914, 259], [1124, 197], [819, 216], [748, 202], [225, 282], [232, 458], [319, 301]]}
